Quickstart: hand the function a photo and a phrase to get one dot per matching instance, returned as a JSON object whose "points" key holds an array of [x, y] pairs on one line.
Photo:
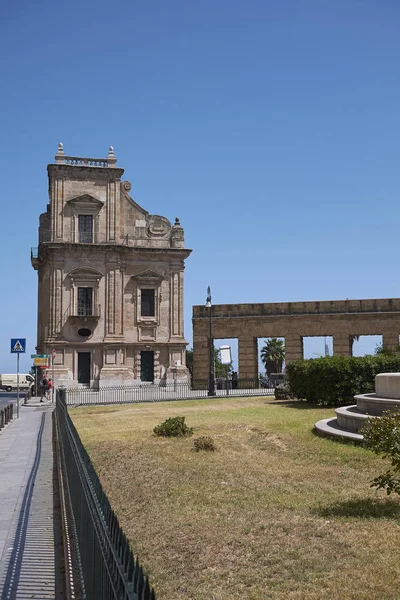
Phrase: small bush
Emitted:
{"points": [[173, 427], [283, 392], [382, 436], [204, 443], [334, 380]]}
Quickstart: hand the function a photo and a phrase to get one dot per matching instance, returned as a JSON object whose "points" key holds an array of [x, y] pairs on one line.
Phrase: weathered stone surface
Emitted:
{"points": [[341, 319], [128, 250]]}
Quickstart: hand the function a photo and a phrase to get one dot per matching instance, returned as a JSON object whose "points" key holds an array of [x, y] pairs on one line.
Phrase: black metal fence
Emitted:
{"points": [[163, 392], [6, 415], [108, 569]]}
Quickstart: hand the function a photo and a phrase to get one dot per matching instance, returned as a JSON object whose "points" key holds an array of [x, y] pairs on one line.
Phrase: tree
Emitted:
{"points": [[273, 355], [219, 368], [382, 436], [189, 360], [381, 349]]}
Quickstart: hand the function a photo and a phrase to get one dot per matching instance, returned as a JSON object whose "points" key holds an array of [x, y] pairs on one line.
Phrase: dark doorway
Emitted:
{"points": [[147, 365], [84, 368]]}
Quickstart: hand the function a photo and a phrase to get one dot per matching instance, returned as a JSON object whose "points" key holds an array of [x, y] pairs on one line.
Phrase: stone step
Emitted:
{"points": [[351, 418], [330, 427], [375, 405]]}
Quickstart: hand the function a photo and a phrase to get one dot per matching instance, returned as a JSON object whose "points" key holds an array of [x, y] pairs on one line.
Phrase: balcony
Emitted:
{"points": [[86, 316]]}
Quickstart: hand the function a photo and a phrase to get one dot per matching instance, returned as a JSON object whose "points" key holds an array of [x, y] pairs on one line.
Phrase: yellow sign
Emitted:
{"points": [[40, 362]]}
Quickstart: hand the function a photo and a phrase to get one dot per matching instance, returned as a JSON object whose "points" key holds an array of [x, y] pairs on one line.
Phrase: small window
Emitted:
{"points": [[85, 229], [147, 308], [85, 305]]}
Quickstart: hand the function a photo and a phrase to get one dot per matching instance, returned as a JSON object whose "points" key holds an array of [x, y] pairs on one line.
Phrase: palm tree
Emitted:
{"points": [[273, 355], [352, 339]]}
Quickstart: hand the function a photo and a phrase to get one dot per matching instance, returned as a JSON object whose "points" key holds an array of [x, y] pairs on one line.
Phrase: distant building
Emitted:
{"points": [[110, 280]]}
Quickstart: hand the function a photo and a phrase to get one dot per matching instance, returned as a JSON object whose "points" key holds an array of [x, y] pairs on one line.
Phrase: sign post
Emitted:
{"points": [[53, 356], [226, 359], [40, 361], [18, 346]]}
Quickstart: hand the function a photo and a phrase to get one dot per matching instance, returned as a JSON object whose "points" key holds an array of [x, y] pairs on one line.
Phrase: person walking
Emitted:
{"points": [[43, 387], [49, 389]]}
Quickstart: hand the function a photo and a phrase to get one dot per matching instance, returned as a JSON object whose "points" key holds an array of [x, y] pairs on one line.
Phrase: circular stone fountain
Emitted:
{"points": [[350, 419]]}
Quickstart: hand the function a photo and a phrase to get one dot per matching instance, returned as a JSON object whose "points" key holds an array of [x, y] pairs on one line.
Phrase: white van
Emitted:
{"points": [[9, 382]]}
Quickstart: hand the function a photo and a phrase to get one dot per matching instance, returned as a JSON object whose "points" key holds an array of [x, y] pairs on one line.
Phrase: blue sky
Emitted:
{"points": [[271, 129]]}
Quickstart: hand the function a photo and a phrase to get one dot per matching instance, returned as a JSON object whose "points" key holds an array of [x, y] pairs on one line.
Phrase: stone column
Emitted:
{"points": [[293, 347], [248, 357], [342, 346], [390, 340]]}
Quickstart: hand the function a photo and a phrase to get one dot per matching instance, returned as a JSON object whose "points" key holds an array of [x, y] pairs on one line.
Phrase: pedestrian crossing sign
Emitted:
{"points": [[18, 345]]}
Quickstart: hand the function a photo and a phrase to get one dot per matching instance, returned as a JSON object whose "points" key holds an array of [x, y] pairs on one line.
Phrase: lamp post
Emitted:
{"points": [[211, 383]]}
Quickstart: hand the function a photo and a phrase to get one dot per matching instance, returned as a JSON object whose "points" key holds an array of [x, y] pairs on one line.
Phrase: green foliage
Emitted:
{"points": [[334, 380], [382, 436], [173, 427], [380, 349], [204, 443], [273, 355]]}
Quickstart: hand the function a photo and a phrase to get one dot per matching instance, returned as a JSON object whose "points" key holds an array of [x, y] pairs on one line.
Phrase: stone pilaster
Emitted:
{"points": [[55, 300], [342, 345], [176, 301], [57, 209], [110, 303], [390, 340], [248, 357], [201, 358], [112, 228], [293, 347]]}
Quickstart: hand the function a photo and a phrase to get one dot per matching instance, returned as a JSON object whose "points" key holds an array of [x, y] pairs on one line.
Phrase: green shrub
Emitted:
{"points": [[204, 443], [382, 436], [334, 380], [173, 427]]}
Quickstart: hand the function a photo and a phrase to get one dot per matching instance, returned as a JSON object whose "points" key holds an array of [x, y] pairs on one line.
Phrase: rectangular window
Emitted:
{"points": [[85, 229], [147, 308], [85, 304]]}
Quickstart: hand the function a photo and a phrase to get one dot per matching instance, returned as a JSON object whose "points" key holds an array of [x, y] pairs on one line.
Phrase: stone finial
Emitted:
{"points": [[60, 156], [177, 235], [111, 158]]}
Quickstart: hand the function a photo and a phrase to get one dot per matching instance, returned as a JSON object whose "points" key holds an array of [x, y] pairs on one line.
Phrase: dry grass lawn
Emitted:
{"points": [[276, 512]]}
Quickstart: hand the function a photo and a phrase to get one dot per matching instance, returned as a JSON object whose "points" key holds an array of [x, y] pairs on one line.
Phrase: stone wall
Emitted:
{"points": [[340, 319]]}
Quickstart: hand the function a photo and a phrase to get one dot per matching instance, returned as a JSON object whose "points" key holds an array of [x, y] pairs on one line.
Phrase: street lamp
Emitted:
{"points": [[211, 383]]}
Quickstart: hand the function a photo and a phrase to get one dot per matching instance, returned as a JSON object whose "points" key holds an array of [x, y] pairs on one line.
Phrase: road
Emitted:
{"points": [[8, 397]]}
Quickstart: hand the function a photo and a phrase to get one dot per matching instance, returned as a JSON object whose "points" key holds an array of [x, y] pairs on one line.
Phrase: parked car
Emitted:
{"points": [[8, 382]]}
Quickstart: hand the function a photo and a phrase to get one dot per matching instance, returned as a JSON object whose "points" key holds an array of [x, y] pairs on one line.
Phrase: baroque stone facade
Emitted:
{"points": [[341, 319], [110, 280]]}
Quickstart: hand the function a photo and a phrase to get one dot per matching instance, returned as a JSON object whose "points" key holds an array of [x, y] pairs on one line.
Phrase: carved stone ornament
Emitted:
{"points": [[158, 226], [126, 185]]}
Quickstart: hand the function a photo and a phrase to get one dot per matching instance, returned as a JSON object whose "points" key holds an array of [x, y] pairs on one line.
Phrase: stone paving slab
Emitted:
{"points": [[29, 525]]}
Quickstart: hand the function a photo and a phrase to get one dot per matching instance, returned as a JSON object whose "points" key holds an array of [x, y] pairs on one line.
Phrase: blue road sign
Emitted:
{"points": [[18, 345]]}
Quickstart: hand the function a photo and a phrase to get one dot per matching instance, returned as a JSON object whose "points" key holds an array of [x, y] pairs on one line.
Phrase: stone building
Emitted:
{"points": [[110, 280]]}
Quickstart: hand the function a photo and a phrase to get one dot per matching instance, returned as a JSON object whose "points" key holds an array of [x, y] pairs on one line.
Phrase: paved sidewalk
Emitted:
{"points": [[30, 544]]}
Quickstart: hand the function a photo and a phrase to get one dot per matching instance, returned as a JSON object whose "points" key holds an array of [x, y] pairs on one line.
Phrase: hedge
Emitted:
{"points": [[335, 380]]}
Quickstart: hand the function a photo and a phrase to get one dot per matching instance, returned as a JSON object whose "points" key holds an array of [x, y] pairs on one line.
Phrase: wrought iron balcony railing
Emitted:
{"points": [[81, 312]]}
